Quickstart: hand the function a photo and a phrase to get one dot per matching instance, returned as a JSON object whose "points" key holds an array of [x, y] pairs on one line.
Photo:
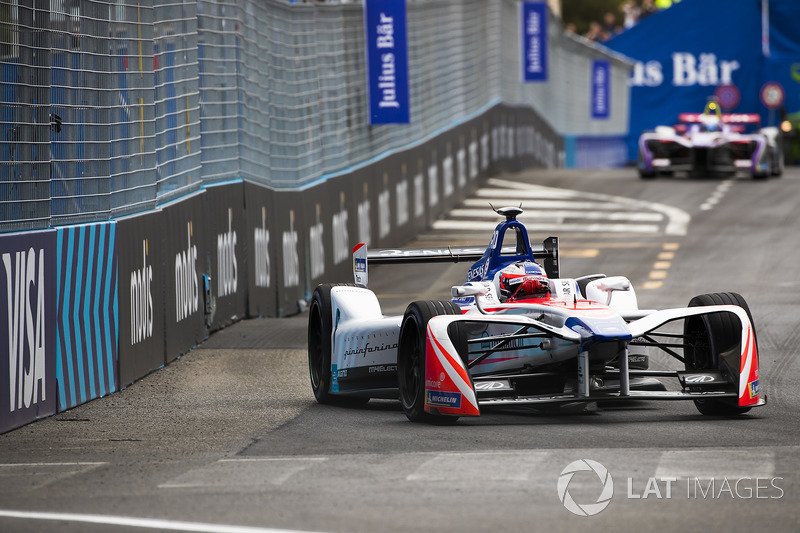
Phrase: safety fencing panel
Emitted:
{"points": [[25, 158], [177, 98], [113, 108]]}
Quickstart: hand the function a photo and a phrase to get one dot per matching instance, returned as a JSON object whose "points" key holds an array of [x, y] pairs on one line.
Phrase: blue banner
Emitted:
{"points": [[387, 61], [534, 41], [601, 87]]}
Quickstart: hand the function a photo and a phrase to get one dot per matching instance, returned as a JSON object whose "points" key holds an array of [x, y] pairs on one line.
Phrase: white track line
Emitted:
{"points": [[147, 523]]}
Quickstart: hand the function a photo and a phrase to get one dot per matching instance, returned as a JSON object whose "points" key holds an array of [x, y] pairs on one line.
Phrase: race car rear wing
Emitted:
{"points": [[547, 252], [727, 118]]}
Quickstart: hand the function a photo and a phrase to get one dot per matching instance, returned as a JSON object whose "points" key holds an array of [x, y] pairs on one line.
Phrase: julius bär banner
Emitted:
{"points": [[534, 41], [601, 85], [387, 61]]}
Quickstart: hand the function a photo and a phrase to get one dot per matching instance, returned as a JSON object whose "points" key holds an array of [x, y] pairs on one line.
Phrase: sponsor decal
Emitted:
{"points": [[369, 349], [461, 167], [401, 191], [142, 300], [443, 399], [474, 160], [447, 176], [364, 217], [261, 248], [341, 237], [492, 385], [382, 368], [384, 213], [227, 267], [317, 247], [485, 151], [291, 259], [335, 378], [704, 378], [187, 293], [361, 264], [433, 183], [477, 272], [419, 195], [432, 384], [26, 328], [754, 389]]}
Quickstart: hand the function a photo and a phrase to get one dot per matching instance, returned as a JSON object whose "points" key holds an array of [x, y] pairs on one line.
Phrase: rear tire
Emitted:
{"points": [[411, 353], [709, 336], [647, 175], [320, 328]]}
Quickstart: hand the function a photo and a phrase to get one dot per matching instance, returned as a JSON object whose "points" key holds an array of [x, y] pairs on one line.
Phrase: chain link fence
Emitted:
{"points": [[116, 106]]}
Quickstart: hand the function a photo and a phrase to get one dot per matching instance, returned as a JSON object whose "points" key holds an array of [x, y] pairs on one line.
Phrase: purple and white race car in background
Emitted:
{"points": [[711, 143]]}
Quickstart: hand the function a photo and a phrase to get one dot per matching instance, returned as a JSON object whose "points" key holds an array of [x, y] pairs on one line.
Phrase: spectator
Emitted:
{"points": [[595, 32], [631, 12], [609, 23], [647, 9]]}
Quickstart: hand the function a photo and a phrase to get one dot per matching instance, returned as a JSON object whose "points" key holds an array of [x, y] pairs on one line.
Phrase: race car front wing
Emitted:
{"points": [[451, 390]]}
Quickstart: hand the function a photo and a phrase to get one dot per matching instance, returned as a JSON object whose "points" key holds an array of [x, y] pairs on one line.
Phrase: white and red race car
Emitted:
{"points": [[711, 143], [517, 334]]}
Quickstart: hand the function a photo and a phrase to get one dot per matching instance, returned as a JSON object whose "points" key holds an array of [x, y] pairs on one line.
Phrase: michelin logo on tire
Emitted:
{"points": [[585, 509]]}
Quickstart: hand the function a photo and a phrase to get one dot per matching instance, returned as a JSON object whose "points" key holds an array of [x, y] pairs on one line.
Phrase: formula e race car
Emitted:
{"points": [[711, 143], [516, 334]]}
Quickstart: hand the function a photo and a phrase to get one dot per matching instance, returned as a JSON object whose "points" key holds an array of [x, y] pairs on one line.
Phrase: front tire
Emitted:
{"points": [[411, 353], [707, 337]]}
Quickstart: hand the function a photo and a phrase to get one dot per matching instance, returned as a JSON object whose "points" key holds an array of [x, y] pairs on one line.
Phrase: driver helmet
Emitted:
{"points": [[523, 280]]}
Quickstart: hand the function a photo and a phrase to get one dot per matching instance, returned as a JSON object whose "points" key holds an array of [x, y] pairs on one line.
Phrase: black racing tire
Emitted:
{"points": [[319, 347], [709, 336], [778, 163], [411, 348], [647, 175]]}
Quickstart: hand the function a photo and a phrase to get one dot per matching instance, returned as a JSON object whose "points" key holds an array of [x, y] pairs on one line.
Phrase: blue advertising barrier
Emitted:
{"points": [[387, 61], [534, 41]]}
